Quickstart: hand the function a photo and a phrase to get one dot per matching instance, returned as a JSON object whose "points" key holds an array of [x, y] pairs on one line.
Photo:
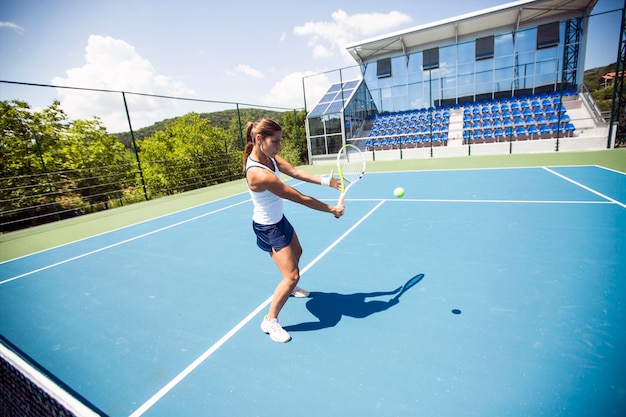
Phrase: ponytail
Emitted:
{"points": [[247, 150]]}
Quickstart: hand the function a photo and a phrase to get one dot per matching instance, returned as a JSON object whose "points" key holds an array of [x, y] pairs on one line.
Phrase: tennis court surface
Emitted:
{"points": [[519, 312]]}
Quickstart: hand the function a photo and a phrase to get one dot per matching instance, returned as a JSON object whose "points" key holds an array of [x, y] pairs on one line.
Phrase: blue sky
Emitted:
{"points": [[242, 51]]}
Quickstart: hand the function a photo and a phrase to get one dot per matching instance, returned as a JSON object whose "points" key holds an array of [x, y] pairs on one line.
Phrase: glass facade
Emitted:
{"points": [[502, 65], [325, 120], [493, 66]]}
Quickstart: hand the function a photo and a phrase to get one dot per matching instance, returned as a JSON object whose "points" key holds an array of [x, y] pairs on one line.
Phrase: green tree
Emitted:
{"points": [[92, 164], [189, 153], [28, 139], [295, 132]]}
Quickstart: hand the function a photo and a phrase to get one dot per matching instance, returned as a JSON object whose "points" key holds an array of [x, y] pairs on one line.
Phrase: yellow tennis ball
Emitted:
{"points": [[398, 192]]}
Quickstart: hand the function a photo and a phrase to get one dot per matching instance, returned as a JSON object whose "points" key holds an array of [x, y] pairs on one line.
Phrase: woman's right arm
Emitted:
{"points": [[261, 180]]}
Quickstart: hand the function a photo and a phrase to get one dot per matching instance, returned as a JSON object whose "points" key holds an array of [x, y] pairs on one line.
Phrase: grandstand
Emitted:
{"points": [[504, 78]]}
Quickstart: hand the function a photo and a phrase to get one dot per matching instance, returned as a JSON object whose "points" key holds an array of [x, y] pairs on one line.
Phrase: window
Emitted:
{"points": [[484, 48], [548, 35], [431, 58], [383, 68]]}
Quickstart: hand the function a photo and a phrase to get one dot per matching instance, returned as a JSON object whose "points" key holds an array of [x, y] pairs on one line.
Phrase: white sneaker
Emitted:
{"points": [[275, 330], [299, 292]]}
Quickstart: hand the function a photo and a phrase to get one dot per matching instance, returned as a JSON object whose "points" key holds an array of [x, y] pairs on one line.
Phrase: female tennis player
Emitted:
{"points": [[275, 234]]}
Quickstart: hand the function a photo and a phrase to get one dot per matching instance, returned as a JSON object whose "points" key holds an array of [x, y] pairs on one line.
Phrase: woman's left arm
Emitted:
{"points": [[287, 169]]}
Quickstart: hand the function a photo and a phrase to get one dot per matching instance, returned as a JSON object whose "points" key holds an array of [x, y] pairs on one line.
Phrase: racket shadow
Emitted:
{"points": [[329, 308]]}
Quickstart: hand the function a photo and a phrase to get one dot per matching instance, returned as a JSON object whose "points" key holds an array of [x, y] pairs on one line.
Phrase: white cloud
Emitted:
{"points": [[10, 25], [328, 39], [283, 36], [288, 92], [113, 64], [249, 71]]}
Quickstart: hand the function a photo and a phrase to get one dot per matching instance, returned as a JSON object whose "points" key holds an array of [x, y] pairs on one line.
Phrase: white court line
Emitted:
{"points": [[442, 200], [119, 243], [585, 187], [124, 227], [185, 372]]}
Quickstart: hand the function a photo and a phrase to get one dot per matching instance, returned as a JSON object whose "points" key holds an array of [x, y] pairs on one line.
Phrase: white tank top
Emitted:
{"points": [[268, 207]]}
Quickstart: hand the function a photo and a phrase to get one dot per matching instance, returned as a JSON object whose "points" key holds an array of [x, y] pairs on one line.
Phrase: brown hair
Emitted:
{"points": [[264, 127]]}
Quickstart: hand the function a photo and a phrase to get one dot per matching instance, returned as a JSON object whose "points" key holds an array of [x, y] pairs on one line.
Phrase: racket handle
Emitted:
{"points": [[342, 197]]}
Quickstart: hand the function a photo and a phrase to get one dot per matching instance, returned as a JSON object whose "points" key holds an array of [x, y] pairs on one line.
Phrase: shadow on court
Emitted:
{"points": [[329, 308]]}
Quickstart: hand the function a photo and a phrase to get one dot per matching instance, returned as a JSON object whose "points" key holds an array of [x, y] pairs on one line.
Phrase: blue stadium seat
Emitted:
{"points": [[553, 119], [532, 130], [556, 128], [544, 129]]}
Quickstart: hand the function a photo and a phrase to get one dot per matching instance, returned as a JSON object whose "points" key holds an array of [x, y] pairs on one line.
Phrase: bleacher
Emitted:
{"points": [[411, 128], [541, 116]]}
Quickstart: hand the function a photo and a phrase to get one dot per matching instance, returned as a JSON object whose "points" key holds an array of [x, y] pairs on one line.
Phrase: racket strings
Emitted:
{"points": [[351, 166]]}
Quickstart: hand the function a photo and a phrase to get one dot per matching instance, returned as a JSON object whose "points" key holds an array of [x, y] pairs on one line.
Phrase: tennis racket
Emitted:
{"points": [[351, 167]]}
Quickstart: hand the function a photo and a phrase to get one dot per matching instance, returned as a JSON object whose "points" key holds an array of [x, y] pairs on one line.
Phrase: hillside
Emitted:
{"points": [[222, 119]]}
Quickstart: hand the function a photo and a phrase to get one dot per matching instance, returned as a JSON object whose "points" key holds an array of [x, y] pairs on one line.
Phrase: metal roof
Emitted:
{"points": [[514, 15]]}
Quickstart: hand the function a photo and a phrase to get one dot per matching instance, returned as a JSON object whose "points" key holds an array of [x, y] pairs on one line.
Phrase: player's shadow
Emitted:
{"points": [[329, 308]]}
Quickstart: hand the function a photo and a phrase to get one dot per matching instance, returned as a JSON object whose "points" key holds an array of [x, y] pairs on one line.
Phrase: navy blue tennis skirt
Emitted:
{"points": [[273, 236]]}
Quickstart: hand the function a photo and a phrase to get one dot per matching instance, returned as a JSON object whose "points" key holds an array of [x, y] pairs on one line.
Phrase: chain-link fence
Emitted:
{"points": [[71, 151]]}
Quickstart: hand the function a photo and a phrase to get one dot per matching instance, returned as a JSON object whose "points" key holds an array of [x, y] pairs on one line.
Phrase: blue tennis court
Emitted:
{"points": [[520, 309]]}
